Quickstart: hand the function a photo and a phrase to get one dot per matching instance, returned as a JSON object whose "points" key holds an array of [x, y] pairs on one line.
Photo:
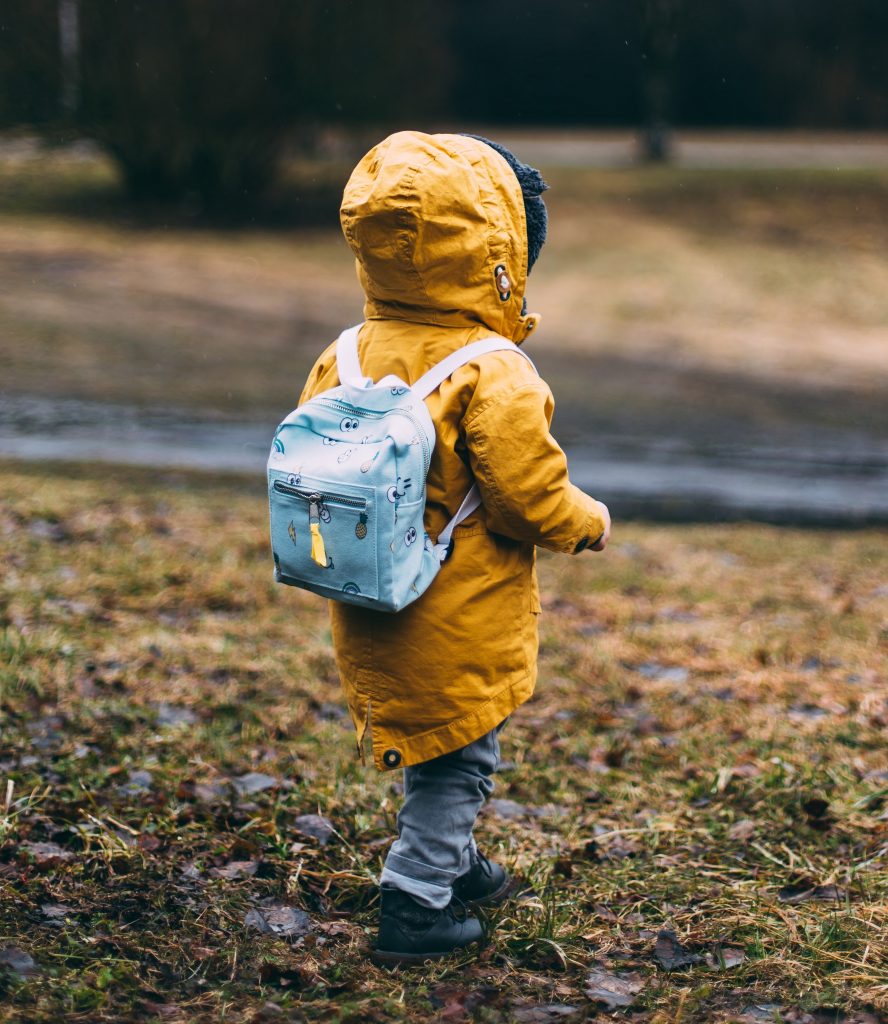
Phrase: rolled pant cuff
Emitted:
{"points": [[427, 893]]}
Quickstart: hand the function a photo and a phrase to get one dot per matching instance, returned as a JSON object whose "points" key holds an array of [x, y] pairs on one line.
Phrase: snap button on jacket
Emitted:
{"points": [[430, 219]]}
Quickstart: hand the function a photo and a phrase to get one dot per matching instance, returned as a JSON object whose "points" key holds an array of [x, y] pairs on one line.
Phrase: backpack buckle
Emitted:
{"points": [[443, 551]]}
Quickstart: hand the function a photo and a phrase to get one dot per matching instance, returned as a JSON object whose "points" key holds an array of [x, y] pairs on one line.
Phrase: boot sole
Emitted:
{"points": [[383, 958]]}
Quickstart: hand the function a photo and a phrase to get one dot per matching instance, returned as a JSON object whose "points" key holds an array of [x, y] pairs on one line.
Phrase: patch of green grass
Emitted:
{"points": [[705, 749]]}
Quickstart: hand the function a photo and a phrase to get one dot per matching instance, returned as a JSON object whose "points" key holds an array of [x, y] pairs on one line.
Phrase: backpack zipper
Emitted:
{"points": [[376, 415], [319, 497]]}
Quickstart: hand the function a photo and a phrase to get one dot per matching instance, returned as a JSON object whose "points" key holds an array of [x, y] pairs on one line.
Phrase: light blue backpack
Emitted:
{"points": [[346, 485]]}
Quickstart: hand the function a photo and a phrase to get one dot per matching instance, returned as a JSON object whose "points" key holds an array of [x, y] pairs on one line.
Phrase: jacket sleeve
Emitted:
{"points": [[320, 377], [522, 473]]}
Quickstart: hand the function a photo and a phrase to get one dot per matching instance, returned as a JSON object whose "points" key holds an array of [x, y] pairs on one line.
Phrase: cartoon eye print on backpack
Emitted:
{"points": [[398, 490], [410, 536], [398, 391], [349, 425], [294, 479]]}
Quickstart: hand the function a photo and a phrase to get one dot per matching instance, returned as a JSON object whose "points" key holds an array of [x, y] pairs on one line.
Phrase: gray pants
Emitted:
{"points": [[442, 798]]}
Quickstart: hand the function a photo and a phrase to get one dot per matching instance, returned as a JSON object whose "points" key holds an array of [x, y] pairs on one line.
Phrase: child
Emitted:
{"points": [[445, 229]]}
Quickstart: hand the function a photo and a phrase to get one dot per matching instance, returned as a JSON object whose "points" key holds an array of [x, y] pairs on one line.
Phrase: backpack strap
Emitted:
{"points": [[348, 365], [432, 380], [445, 538], [435, 377]]}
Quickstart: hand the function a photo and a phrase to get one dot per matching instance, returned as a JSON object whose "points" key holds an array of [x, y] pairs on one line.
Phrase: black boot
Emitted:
{"points": [[410, 932], [485, 884]]}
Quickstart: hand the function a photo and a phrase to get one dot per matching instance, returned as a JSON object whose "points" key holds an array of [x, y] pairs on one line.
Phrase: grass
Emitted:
{"points": [[706, 747]]}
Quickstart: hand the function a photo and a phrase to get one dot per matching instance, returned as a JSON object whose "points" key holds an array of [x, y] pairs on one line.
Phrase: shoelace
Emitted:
{"points": [[484, 862]]}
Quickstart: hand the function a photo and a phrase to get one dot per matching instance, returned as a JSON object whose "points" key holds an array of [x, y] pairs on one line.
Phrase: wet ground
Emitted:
{"points": [[674, 461]]}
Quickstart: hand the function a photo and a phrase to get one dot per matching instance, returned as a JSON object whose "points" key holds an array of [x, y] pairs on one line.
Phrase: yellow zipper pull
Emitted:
{"points": [[318, 551]]}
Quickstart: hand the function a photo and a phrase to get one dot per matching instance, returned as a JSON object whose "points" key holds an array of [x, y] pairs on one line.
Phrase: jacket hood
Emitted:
{"points": [[437, 226]]}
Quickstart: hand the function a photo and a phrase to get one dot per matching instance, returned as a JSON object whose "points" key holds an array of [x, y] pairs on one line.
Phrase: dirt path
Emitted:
{"points": [[711, 149]]}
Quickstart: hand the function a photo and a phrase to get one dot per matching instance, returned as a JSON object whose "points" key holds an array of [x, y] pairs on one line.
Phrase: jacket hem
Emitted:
{"points": [[436, 742]]}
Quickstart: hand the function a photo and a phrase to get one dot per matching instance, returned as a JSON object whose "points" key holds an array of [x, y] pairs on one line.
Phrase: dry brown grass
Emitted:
{"points": [[707, 746]]}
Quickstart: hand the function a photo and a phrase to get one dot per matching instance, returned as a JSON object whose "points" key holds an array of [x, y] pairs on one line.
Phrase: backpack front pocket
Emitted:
{"points": [[324, 538]]}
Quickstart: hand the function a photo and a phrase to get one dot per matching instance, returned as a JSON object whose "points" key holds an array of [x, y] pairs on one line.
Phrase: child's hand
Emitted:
{"points": [[601, 543]]}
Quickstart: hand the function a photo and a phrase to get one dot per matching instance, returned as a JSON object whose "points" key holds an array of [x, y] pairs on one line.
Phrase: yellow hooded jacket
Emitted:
{"points": [[430, 218]]}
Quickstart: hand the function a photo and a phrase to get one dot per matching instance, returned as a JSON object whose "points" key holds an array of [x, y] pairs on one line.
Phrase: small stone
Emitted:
{"points": [[45, 855], [508, 809], [138, 782], [18, 961], [286, 922], [171, 715], [254, 782], [316, 826]]}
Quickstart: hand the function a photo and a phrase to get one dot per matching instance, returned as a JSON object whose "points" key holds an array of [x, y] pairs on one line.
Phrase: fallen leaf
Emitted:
{"points": [[663, 673], [508, 809], [542, 1013], [722, 958], [287, 922], [801, 892], [162, 1010], [45, 855], [254, 782], [458, 1003], [55, 913], [236, 869], [138, 782], [614, 990], [171, 715], [294, 978], [806, 712], [742, 830], [18, 961], [755, 1012], [315, 826], [267, 1012], [333, 929], [671, 954], [618, 848]]}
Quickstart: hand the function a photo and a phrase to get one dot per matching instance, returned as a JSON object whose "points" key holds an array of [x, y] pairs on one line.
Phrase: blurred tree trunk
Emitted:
{"points": [[659, 37], [69, 51]]}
